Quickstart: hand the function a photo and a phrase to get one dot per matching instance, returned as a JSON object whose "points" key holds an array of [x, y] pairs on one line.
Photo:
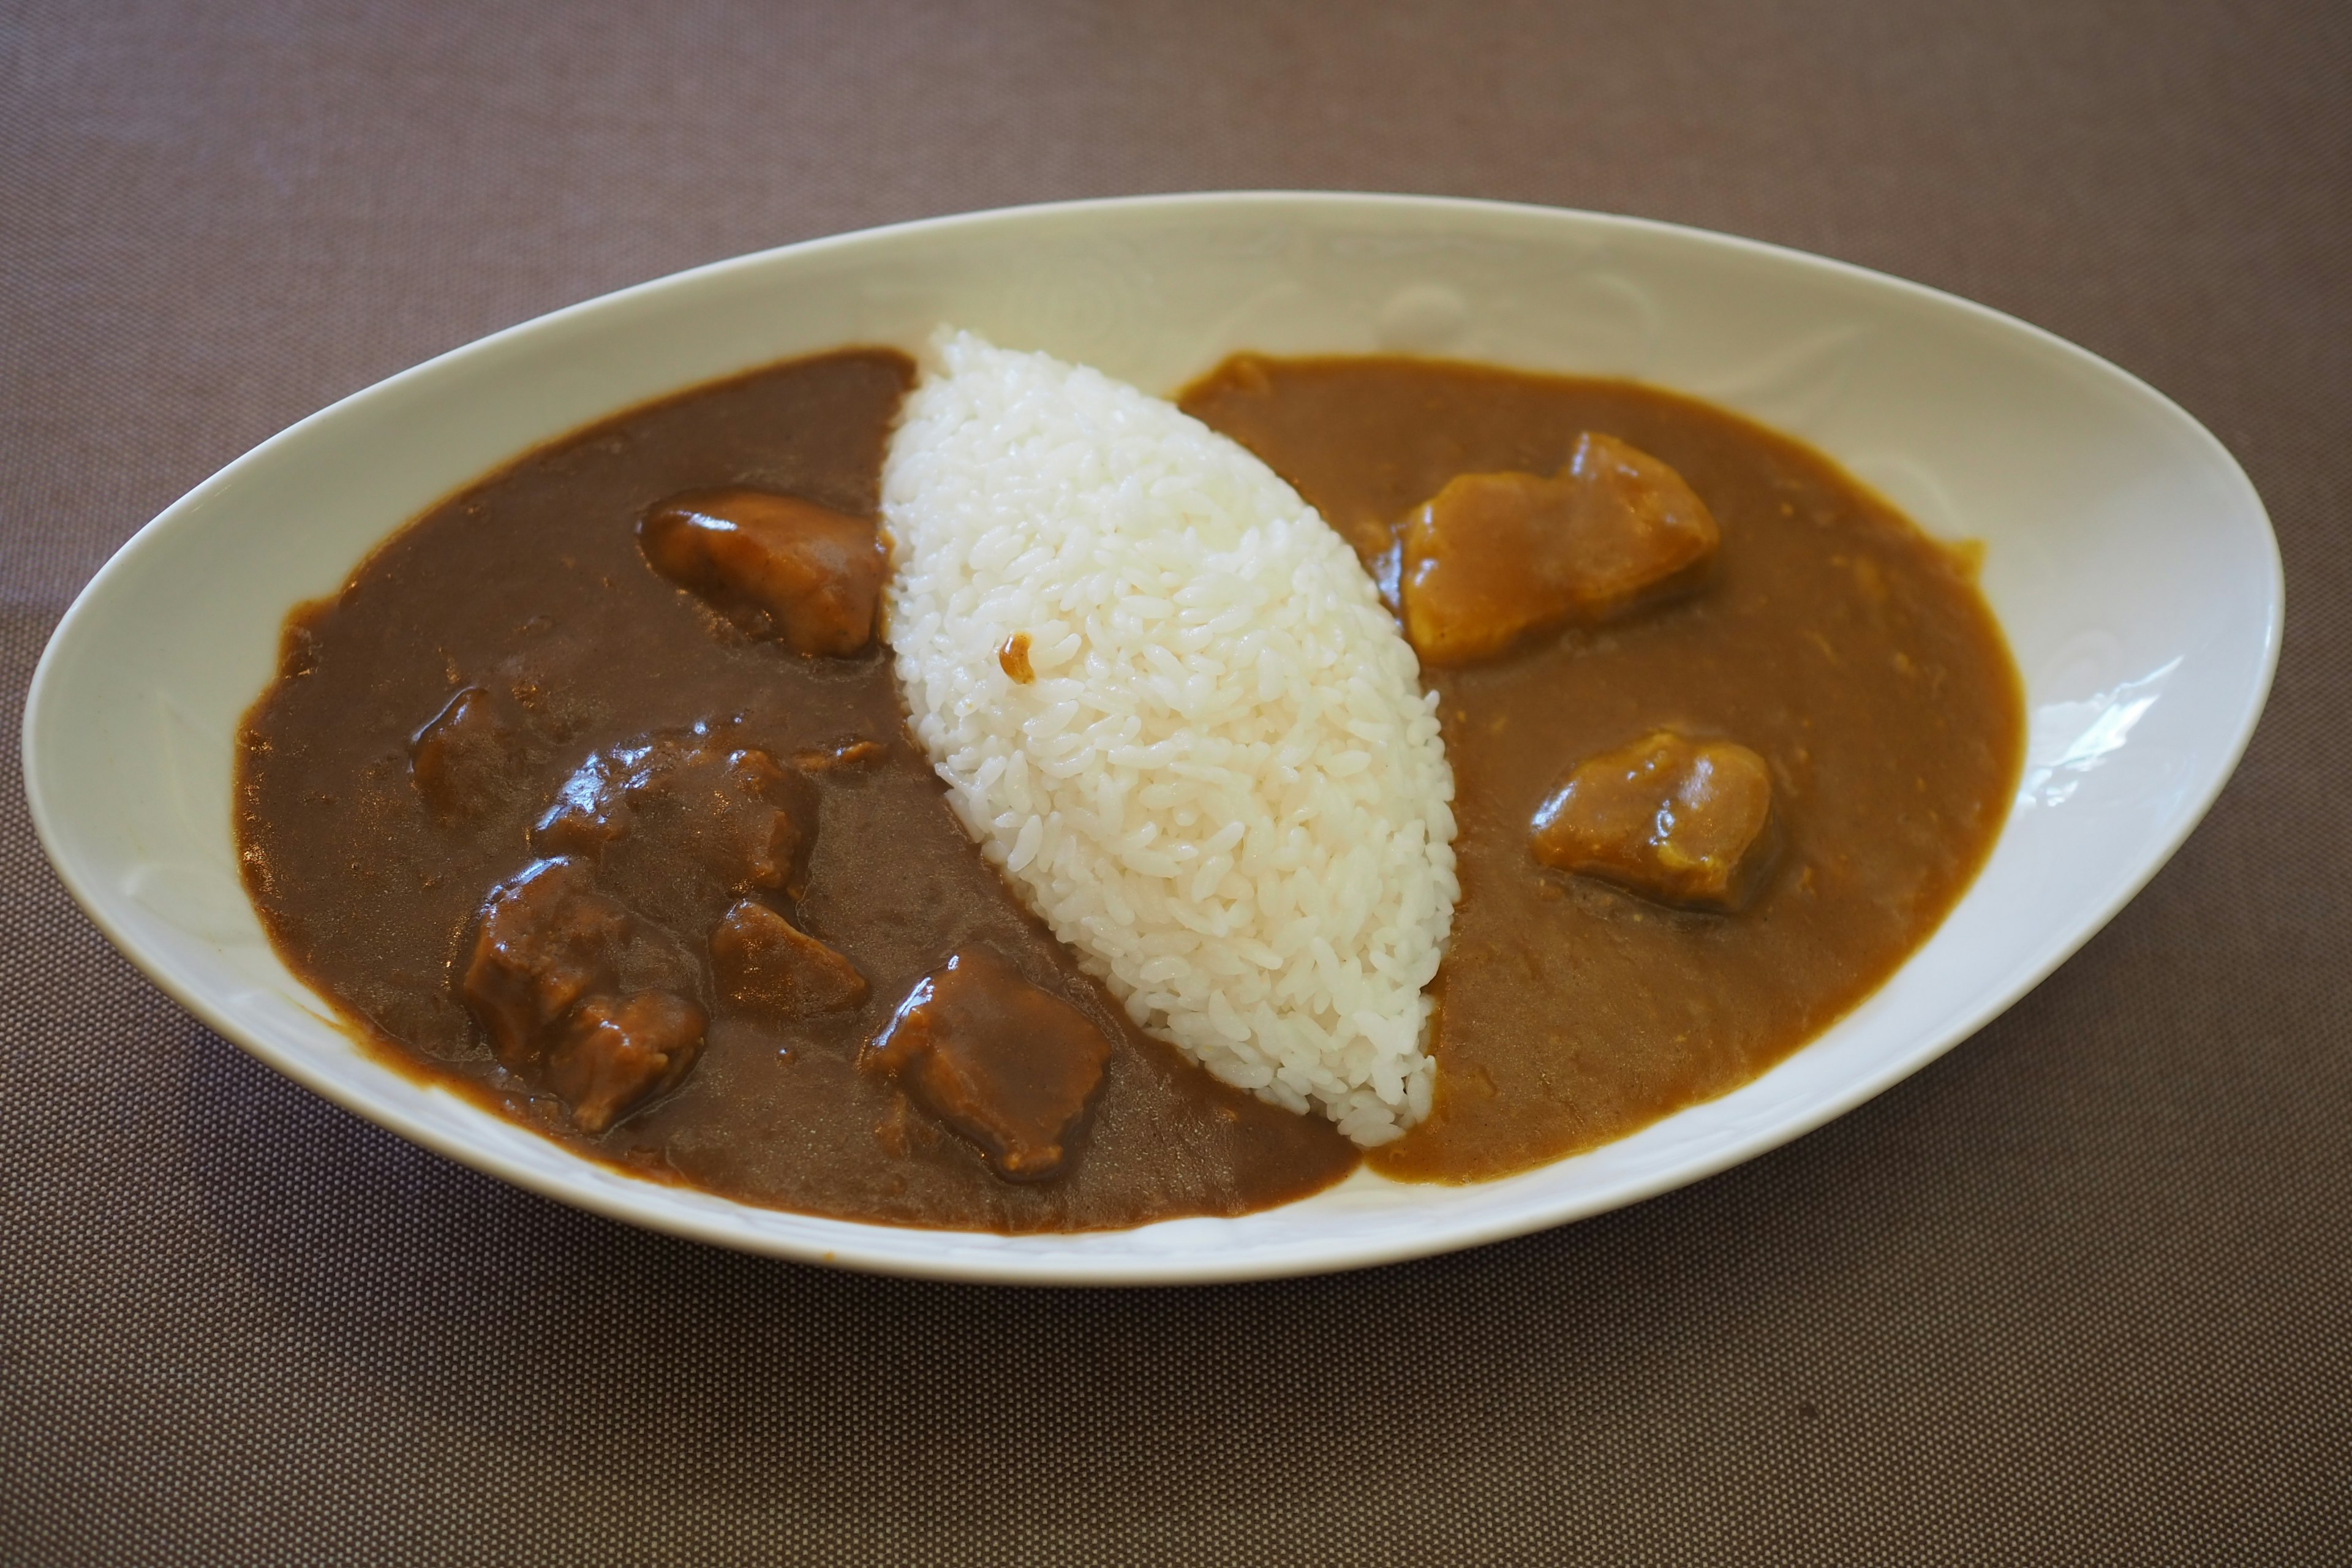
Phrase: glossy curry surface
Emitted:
{"points": [[556, 716], [595, 669], [1828, 635]]}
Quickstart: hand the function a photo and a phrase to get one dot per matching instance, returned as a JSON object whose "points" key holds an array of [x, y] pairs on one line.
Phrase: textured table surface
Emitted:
{"points": [[2080, 1291]]}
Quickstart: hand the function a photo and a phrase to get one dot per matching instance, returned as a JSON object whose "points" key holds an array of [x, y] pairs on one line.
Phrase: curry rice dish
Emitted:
{"points": [[594, 794]]}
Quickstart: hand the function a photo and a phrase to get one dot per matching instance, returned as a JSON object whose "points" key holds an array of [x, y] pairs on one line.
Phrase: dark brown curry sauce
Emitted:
{"points": [[531, 585], [1830, 637]]}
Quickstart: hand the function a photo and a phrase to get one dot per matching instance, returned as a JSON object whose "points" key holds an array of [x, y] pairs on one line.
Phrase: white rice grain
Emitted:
{"points": [[1224, 787]]}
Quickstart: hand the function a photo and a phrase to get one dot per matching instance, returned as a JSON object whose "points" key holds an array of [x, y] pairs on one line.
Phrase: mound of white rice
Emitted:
{"points": [[1224, 787]]}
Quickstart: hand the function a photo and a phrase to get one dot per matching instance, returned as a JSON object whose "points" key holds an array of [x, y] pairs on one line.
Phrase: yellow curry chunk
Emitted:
{"points": [[777, 566], [1492, 558], [1682, 821], [1009, 1066]]}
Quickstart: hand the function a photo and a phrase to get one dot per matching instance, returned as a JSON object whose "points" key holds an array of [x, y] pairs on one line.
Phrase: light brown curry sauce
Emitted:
{"points": [[1828, 635]]}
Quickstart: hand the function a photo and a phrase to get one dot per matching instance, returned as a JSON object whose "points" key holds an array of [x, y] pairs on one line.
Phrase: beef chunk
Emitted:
{"points": [[762, 960], [1001, 1062], [465, 758], [613, 1054], [591, 806], [542, 980], [688, 798], [1682, 821], [545, 939], [1496, 557], [775, 565]]}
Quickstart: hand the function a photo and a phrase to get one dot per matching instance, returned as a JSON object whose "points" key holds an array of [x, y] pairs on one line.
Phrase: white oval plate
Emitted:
{"points": [[2129, 560]]}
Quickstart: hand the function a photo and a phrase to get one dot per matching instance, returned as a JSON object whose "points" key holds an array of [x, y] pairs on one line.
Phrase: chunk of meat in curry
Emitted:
{"points": [[775, 565], [716, 819], [1493, 558], [1002, 1062], [547, 938], [616, 1052], [1682, 821], [763, 960], [544, 980], [465, 760]]}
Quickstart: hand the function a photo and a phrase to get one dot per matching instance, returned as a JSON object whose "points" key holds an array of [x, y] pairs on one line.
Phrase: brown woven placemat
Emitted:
{"points": [[2078, 1293]]}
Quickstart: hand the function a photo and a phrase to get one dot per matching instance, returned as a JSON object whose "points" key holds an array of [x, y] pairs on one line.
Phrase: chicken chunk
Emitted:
{"points": [[545, 939], [1493, 558], [1003, 1064], [762, 960], [614, 1054], [777, 566], [1684, 822]]}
